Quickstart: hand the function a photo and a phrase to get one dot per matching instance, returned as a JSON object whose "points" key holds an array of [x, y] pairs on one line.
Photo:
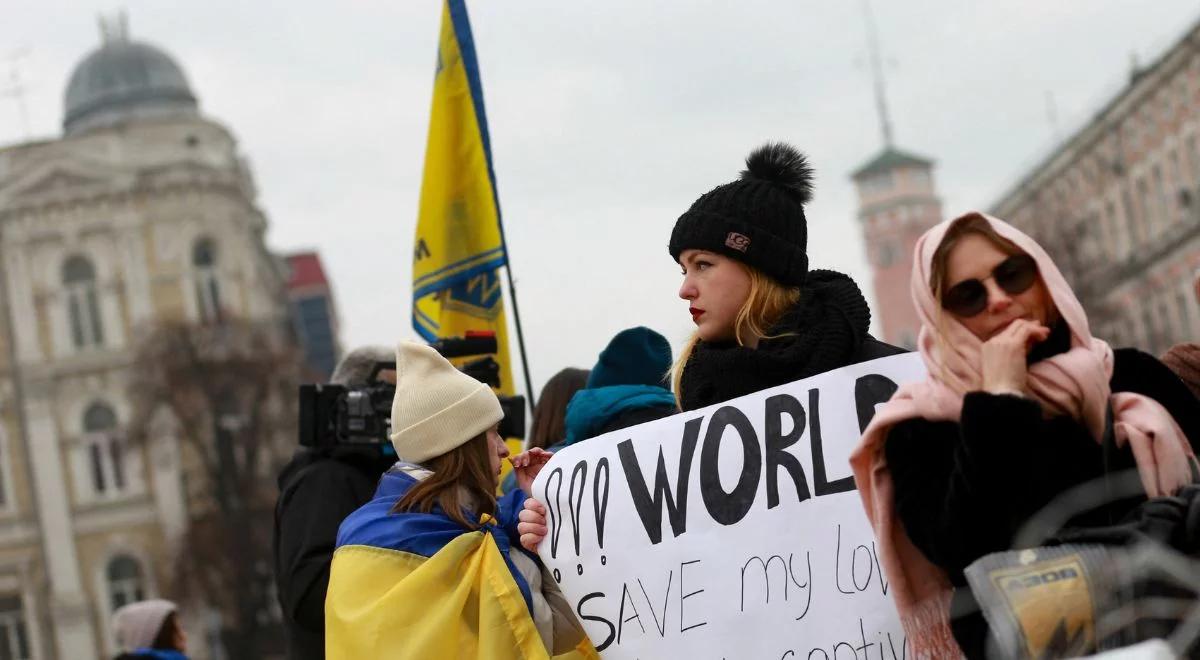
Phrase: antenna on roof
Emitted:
{"points": [[1052, 116], [14, 86], [115, 27], [1135, 66], [885, 120]]}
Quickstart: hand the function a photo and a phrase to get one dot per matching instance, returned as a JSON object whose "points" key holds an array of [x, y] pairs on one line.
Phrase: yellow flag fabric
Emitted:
{"points": [[418, 585], [392, 605], [385, 603], [459, 246]]}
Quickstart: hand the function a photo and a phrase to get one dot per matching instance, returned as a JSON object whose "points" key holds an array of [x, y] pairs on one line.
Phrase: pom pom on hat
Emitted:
{"points": [[779, 162], [757, 219]]}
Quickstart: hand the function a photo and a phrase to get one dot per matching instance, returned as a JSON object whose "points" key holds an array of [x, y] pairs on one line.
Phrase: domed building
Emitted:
{"points": [[125, 80], [143, 211]]}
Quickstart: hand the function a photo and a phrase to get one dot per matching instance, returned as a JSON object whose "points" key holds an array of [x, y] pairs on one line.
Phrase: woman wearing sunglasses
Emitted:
{"points": [[1012, 414]]}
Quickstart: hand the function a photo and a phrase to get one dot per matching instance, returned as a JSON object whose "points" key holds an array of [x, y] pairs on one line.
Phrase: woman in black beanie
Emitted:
{"points": [[762, 318]]}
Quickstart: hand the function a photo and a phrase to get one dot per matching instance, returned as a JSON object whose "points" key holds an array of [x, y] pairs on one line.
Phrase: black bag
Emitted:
{"points": [[1094, 587]]}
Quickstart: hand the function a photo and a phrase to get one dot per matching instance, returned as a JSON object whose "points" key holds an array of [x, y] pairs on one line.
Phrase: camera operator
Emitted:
{"points": [[318, 488]]}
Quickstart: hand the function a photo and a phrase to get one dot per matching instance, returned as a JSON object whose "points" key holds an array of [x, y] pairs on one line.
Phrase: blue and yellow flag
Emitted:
{"points": [[459, 245], [412, 586]]}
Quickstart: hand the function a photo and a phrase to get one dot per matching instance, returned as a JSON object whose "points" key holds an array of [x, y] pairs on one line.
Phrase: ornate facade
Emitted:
{"points": [[143, 211], [1118, 205]]}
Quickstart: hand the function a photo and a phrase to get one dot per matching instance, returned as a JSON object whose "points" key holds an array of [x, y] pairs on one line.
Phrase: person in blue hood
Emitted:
{"points": [[626, 387]]}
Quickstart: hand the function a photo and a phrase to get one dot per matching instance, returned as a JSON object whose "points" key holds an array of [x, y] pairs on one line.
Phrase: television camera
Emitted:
{"points": [[335, 415]]}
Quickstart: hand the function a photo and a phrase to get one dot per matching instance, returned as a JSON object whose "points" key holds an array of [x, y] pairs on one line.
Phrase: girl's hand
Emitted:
{"points": [[532, 525], [527, 465], [1003, 357]]}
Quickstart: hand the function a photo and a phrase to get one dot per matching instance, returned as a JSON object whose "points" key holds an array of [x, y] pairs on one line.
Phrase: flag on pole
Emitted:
{"points": [[459, 247]]}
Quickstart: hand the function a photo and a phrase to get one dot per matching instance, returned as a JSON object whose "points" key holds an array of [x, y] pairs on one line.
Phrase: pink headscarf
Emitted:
{"points": [[1074, 383]]}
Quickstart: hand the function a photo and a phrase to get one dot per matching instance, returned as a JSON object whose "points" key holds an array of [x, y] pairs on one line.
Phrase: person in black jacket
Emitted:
{"points": [[318, 488], [1013, 414], [762, 317]]}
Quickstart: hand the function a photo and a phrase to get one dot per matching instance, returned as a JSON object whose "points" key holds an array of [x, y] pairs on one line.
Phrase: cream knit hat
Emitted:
{"points": [[437, 407]]}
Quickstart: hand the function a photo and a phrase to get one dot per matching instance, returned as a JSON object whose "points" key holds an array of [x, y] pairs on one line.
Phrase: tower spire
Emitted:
{"points": [[885, 120]]}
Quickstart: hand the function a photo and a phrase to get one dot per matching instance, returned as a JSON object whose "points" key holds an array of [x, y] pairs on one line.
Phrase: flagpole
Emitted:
{"points": [[457, 10], [512, 293], [466, 42]]}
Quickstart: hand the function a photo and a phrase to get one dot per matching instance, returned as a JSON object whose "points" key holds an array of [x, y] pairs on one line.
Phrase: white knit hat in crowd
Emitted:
{"points": [[136, 625], [437, 407]]}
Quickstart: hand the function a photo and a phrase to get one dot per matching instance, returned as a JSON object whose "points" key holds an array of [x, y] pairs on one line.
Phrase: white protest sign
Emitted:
{"points": [[734, 531]]}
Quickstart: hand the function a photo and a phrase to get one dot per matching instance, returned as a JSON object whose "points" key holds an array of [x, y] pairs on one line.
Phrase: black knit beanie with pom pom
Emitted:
{"points": [[758, 219]]}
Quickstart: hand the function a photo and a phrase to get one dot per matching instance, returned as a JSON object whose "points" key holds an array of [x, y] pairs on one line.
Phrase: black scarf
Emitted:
{"points": [[1057, 343], [824, 331]]}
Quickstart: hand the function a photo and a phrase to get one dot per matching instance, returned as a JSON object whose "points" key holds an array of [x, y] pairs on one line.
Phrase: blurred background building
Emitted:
{"points": [[143, 212], [315, 315], [897, 201], [1116, 204]]}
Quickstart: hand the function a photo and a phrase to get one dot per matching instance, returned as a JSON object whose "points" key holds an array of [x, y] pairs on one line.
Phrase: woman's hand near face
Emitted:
{"points": [[532, 525], [1003, 357], [527, 465]]}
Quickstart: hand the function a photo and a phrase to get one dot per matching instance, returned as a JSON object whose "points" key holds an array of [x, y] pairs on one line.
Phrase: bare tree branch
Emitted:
{"points": [[231, 389]]}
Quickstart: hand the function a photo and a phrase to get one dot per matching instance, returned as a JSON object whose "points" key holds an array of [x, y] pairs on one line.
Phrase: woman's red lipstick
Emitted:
{"points": [[696, 313]]}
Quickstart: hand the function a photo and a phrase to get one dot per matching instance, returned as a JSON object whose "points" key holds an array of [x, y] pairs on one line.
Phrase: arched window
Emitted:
{"points": [[83, 308], [104, 450], [124, 581], [208, 290]]}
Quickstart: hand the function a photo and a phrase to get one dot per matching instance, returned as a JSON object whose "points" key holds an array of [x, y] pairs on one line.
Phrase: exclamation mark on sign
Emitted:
{"points": [[600, 503], [575, 502], [553, 509]]}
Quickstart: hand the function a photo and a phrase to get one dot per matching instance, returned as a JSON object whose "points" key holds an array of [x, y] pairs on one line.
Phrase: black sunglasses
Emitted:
{"points": [[1015, 275]]}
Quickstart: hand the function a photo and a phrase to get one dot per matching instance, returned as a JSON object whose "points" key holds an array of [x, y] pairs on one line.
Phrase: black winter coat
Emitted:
{"points": [[963, 489], [317, 490], [826, 330]]}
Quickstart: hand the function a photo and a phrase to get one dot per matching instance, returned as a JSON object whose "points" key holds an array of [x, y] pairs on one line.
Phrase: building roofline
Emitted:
{"points": [[1088, 132], [889, 159]]}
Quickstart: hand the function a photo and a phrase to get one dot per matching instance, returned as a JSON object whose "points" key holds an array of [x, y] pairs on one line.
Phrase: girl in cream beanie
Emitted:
{"points": [[437, 407], [436, 533]]}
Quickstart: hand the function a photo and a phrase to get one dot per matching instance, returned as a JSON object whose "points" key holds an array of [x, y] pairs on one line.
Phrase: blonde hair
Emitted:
{"points": [[766, 303]]}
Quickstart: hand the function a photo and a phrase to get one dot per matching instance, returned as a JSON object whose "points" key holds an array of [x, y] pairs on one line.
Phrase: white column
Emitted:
{"points": [[21, 308], [166, 471], [132, 249], [69, 607], [110, 307]]}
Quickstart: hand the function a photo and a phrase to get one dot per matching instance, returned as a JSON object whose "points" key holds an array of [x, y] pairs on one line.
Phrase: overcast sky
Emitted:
{"points": [[607, 121]]}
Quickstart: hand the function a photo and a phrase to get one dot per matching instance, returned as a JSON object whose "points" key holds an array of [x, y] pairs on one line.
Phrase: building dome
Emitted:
{"points": [[125, 80]]}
